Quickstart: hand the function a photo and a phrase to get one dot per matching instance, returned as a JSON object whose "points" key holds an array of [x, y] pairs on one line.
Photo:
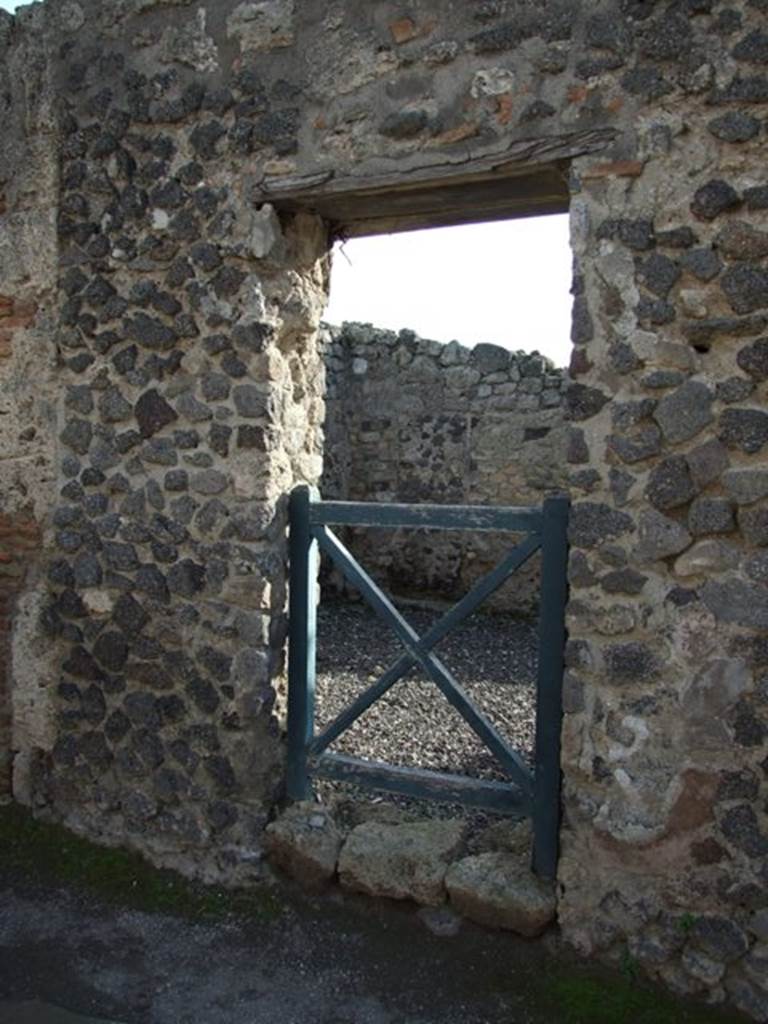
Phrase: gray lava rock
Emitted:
{"points": [[670, 484], [746, 287], [746, 429], [659, 537], [685, 412], [153, 413], [714, 198]]}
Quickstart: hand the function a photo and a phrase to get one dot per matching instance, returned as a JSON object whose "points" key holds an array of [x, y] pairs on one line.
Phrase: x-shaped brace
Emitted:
{"points": [[419, 651]]}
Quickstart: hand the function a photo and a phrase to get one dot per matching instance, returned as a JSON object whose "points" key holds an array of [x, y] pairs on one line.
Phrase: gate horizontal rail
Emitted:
{"points": [[534, 793]]}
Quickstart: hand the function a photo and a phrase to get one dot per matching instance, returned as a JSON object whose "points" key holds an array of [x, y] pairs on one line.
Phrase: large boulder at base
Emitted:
{"points": [[304, 843], [406, 861], [499, 890]]}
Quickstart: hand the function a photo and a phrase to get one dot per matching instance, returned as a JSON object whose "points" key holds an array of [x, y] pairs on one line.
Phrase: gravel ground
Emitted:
{"points": [[493, 657]]}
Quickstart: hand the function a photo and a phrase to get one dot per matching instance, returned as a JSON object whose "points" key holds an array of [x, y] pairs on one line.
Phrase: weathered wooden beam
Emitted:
{"points": [[529, 177], [416, 782]]}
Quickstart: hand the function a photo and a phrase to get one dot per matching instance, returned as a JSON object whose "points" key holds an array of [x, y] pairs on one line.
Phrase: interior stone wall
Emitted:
{"points": [[414, 420], [187, 398]]}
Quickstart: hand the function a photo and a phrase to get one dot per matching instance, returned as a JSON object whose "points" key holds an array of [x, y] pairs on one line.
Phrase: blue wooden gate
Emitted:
{"points": [[528, 793]]}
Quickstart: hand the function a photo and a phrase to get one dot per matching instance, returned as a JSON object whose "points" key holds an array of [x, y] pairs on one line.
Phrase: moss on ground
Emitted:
{"points": [[567, 992], [579, 996], [46, 853]]}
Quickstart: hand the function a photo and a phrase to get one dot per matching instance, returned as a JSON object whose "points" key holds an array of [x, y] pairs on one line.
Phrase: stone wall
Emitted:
{"points": [[195, 160], [413, 420]]}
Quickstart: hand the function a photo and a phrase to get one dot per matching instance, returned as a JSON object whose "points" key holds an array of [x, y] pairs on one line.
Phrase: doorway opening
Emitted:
{"points": [[438, 392]]}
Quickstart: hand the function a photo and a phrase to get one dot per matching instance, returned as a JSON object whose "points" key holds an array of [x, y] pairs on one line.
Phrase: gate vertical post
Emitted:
{"points": [[302, 551], [554, 571]]}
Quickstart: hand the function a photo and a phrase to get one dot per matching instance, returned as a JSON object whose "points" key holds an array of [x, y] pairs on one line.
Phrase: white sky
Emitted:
{"points": [[11, 5], [506, 282]]}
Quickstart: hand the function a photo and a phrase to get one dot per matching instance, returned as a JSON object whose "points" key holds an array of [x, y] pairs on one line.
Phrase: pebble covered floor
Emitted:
{"points": [[493, 658]]}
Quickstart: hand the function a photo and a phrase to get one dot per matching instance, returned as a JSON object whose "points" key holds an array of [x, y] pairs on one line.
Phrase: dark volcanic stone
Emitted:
{"points": [[740, 827], [221, 771], [93, 747], [204, 138], [731, 599], [87, 570], [753, 48], [218, 438], [746, 287], [753, 359], [718, 937], [646, 81], [81, 664], [623, 581], [734, 389], [635, 234], [186, 578], [121, 557], [149, 747], [582, 325], [592, 523], [704, 264], [150, 332], [670, 484], [153, 413], [753, 523], [111, 649], [251, 437], [710, 515], [756, 197], [735, 126], [77, 435], [639, 445], [739, 785], [203, 694], [630, 662], [684, 412], [583, 402], [129, 615], [216, 663], [708, 462], [746, 429], [141, 709], [714, 198], [749, 730], [117, 726], [659, 274]]}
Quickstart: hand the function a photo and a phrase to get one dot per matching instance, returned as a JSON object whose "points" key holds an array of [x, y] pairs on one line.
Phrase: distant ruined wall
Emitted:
{"points": [[172, 176], [413, 420]]}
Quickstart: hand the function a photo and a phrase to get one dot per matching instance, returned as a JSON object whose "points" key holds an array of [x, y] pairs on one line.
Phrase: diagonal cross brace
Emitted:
{"points": [[507, 757], [483, 589]]}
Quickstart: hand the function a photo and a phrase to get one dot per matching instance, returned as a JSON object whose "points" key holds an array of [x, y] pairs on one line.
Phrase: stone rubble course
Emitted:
{"points": [[304, 842], [163, 270], [499, 890], [412, 420], [407, 861]]}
